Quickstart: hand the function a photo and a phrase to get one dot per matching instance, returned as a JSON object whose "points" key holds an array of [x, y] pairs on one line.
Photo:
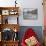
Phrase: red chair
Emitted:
{"points": [[29, 33]]}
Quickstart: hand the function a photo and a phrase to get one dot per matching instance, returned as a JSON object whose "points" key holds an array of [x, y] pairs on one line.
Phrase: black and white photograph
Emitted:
{"points": [[30, 14]]}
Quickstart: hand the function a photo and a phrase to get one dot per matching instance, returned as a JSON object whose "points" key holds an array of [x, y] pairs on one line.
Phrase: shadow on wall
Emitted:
{"points": [[37, 29]]}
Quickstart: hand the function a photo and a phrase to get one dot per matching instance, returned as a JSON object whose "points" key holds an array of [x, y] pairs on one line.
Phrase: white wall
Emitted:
{"points": [[32, 4], [27, 4], [7, 3]]}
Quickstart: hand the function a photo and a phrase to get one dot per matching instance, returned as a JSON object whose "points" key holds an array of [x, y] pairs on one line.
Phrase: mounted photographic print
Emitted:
{"points": [[5, 12], [30, 14]]}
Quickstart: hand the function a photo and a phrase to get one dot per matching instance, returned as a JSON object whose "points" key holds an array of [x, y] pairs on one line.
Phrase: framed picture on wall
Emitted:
{"points": [[30, 13], [5, 12]]}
